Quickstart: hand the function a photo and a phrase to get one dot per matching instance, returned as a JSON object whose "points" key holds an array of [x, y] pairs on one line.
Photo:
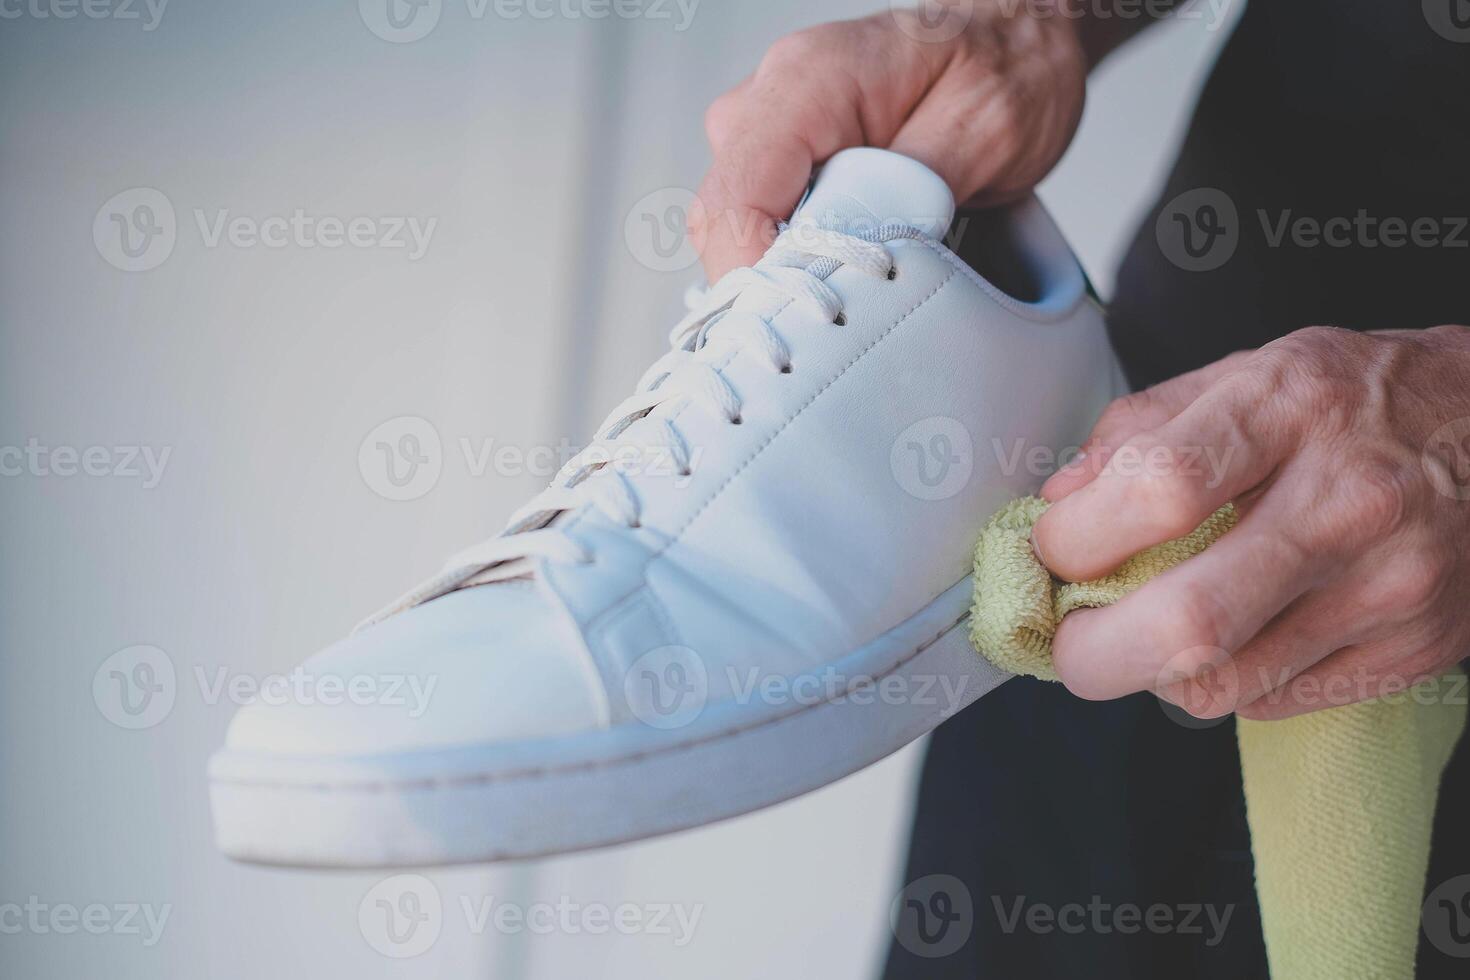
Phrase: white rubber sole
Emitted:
{"points": [[550, 796]]}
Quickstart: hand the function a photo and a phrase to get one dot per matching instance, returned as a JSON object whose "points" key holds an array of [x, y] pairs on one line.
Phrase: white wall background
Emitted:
{"points": [[260, 370]]}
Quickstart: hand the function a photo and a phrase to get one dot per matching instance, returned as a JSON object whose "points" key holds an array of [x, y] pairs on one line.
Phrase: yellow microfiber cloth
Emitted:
{"points": [[1340, 801]]}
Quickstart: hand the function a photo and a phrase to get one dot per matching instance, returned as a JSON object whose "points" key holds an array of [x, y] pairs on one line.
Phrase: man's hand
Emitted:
{"points": [[1348, 576], [989, 109]]}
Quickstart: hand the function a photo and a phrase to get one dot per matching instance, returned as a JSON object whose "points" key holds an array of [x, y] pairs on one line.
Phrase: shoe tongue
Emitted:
{"points": [[864, 188]]}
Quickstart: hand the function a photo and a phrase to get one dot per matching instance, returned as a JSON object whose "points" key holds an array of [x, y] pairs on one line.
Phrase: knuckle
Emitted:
{"points": [[1411, 586], [1200, 621], [1310, 367], [720, 117], [1377, 498], [797, 50], [1172, 499], [1125, 412]]}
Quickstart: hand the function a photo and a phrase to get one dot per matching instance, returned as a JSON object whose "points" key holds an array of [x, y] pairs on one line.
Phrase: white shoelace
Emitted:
{"points": [[793, 270]]}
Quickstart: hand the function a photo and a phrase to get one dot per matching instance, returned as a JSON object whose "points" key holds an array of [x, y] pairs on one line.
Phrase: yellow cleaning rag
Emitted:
{"points": [[1340, 801]]}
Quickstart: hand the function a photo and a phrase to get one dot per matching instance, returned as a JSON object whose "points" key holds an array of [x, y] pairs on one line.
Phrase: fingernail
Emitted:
{"points": [[1036, 548]]}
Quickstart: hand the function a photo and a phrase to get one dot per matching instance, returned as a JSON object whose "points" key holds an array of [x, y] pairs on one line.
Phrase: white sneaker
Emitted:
{"points": [[764, 590]]}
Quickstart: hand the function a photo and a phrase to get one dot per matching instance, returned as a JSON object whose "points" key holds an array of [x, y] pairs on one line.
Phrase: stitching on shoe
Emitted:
{"points": [[674, 538], [543, 772]]}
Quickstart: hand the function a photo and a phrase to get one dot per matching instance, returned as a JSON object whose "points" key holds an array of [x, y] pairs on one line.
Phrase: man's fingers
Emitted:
{"points": [[740, 199], [1305, 633], [1162, 484], [1354, 674], [1131, 415], [1188, 619], [803, 104]]}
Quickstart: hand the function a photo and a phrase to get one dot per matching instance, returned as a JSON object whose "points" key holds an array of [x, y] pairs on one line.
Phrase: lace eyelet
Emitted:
{"points": [[840, 319], [635, 524], [892, 272], [786, 369], [737, 420]]}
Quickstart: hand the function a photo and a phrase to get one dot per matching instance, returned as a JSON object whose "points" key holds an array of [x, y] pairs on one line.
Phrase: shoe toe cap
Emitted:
{"points": [[487, 664]]}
